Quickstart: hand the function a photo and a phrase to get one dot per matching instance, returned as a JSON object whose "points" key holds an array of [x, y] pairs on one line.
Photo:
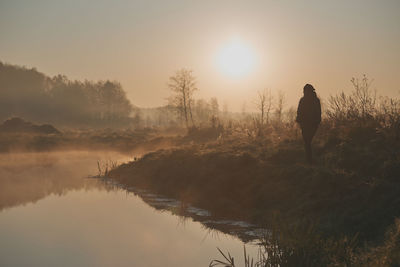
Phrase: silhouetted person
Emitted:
{"points": [[309, 117]]}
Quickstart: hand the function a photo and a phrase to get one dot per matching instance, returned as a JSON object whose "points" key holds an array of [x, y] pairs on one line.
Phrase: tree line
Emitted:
{"points": [[34, 96]]}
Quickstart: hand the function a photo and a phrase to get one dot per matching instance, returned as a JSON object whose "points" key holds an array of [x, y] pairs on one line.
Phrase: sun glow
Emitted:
{"points": [[236, 59]]}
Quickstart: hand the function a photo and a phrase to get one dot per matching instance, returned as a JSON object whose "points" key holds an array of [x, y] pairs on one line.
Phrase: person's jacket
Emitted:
{"points": [[309, 110]]}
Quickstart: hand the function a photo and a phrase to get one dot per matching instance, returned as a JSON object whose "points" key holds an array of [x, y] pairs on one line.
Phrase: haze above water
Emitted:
{"points": [[51, 214]]}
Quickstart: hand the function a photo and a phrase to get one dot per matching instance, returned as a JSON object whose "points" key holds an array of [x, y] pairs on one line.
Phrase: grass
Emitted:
{"points": [[350, 195], [291, 245], [104, 167], [229, 261], [253, 179]]}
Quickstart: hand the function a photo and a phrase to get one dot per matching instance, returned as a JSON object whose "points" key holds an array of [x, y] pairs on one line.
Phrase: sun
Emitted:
{"points": [[235, 59]]}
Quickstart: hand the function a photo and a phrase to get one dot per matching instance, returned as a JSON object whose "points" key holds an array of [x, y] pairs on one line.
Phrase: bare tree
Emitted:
{"points": [[269, 105], [261, 106], [214, 106], [358, 105], [264, 105], [280, 103], [183, 84], [364, 96]]}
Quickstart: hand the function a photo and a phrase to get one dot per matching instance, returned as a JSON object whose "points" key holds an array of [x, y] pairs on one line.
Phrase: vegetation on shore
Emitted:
{"points": [[304, 246], [352, 190], [252, 180]]}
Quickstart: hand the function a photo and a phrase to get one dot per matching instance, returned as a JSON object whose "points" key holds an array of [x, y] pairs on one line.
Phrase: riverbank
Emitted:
{"points": [[352, 188]]}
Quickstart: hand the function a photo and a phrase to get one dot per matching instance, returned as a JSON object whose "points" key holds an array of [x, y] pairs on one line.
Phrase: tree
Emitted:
{"points": [[261, 105], [214, 106], [34, 96], [202, 110], [115, 104], [183, 84], [264, 104], [280, 103], [359, 105]]}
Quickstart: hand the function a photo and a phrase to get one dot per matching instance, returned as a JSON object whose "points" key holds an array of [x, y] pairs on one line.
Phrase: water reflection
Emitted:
{"points": [[29, 177], [53, 216], [243, 230]]}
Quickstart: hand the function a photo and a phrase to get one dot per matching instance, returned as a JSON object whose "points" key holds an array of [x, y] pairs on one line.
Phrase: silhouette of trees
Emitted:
{"points": [[264, 103], [214, 106], [32, 95], [202, 110], [280, 103], [183, 84], [362, 107], [113, 101], [261, 106], [359, 105]]}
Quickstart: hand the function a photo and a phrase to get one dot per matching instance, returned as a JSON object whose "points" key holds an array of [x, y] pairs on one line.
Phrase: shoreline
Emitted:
{"points": [[249, 182]]}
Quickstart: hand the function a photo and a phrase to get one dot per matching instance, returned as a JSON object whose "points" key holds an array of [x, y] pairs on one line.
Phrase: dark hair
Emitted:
{"points": [[308, 87]]}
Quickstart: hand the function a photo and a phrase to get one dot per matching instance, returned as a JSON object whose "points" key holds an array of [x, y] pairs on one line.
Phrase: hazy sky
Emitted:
{"points": [[142, 43]]}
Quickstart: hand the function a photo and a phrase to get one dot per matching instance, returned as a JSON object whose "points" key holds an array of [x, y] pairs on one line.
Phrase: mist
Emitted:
{"points": [[200, 133], [32, 95]]}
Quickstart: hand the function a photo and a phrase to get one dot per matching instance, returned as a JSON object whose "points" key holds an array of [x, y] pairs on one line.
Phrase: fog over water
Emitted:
{"points": [[52, 214]]}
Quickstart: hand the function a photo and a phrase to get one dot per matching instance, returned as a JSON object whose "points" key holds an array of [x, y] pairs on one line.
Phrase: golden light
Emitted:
{"points": [[236, 59]]}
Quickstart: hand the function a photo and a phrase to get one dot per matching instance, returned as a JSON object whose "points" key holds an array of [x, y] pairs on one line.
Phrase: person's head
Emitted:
{"points": [[308, 89]]}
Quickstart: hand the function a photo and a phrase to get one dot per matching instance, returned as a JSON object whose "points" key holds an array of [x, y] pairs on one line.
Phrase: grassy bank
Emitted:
{"points": [[353, 187], [336, 211], [254, 171]]}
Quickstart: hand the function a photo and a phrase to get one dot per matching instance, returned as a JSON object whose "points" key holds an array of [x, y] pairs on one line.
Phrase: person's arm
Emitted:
{"points": [[299, 116], [319, 111]]}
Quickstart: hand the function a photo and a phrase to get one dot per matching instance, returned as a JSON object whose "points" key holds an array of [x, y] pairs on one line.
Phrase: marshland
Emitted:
{"points": [[178, 133]]}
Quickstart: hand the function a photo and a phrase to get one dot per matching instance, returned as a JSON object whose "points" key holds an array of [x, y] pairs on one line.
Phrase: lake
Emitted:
{"points": [[53, 214]]}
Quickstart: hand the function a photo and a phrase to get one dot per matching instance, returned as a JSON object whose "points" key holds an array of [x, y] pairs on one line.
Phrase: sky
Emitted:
{"points": [[142, 43]]}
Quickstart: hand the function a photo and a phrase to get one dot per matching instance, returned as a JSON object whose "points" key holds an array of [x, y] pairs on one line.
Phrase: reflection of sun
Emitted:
{"points": [[235, 59]]}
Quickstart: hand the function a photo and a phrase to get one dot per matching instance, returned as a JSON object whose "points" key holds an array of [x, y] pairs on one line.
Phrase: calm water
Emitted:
{"points": [[51, 214]]}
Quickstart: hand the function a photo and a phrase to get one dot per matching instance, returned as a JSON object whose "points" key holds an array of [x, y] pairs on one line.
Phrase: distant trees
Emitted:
{"points": [[261, 104], [183, 85], [214, 106], [113, 101], [100, 102], [34, 96], [202, 110], [264, 103], [192, 112], [280, 103]]}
